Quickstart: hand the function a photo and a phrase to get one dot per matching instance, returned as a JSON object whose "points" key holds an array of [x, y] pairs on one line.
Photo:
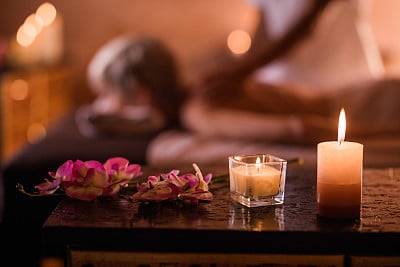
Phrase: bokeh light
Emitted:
{"points": [[19, 90], [35, 132], [239, 42], [47, 13]]}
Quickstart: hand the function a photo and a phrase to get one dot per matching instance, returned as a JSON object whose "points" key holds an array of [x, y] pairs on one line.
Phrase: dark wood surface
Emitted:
{"points": [[224, 226]]}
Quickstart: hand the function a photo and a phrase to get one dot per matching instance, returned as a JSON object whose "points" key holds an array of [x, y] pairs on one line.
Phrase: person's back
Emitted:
{"points": [[291, 87], [288, 89]]}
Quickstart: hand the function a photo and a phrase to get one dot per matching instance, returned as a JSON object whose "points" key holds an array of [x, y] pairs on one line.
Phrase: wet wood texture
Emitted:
{"points": [[223, 226]]}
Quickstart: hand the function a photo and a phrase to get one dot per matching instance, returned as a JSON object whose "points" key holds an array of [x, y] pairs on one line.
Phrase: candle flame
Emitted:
{"points": [[258, 163], [342, 126]]}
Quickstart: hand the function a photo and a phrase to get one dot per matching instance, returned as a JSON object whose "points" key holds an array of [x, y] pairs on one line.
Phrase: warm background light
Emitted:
{"points": [[34, 22], [44, 16], [29, 28], [239, 42], [23, 38], [47, 13], [19, 90], [35, 132]]}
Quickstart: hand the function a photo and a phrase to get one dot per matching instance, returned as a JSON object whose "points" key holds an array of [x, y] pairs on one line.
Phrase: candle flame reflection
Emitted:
{"points": [[342, 126], [258, 163]]}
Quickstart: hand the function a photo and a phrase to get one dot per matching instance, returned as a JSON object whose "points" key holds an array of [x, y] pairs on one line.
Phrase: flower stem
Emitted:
{"points": [[21, 189]]}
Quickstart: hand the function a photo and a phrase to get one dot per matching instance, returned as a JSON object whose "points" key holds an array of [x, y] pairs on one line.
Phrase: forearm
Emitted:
{"points": [[264, 52]]}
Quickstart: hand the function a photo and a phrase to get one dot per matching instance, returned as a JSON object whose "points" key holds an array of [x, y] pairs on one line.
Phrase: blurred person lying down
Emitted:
{"points": [[309, 59]]}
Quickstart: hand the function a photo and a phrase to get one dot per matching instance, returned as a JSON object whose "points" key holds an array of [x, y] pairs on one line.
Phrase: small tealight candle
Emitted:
{"points": [[339, 176], [257, 180]]}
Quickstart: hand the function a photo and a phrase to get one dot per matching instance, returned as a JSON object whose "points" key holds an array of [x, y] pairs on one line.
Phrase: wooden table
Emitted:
{"points": [[118, 232]]}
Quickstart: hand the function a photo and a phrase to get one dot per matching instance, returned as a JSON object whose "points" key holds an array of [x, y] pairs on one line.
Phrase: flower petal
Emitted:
{"points": [[83, 193], [48, 187]]}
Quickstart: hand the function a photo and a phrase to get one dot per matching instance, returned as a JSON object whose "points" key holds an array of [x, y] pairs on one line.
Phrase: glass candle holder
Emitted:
{"points": [[257, 180]]}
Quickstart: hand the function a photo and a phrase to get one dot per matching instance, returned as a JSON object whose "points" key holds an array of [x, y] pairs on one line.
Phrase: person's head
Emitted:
{"points": [[139, 68]]}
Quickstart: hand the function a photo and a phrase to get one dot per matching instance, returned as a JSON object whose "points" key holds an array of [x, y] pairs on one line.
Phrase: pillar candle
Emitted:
{"points": [[339, 176]]}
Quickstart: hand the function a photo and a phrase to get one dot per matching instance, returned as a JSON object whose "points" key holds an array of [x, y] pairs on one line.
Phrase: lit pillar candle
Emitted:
{"points": [[339, 176]]}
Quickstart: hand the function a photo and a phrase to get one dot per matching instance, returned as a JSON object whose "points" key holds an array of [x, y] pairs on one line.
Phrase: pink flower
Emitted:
{"points": [[120, 173], [170, 186], [90, 179], [87, 182], [50, 186]]}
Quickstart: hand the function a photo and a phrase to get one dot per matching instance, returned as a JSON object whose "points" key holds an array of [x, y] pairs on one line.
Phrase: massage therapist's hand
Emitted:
{"points": [[316, 129], [220, 86]]}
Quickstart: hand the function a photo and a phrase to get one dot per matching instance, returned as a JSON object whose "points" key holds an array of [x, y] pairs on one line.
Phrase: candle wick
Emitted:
{"points": [[340, 141]]}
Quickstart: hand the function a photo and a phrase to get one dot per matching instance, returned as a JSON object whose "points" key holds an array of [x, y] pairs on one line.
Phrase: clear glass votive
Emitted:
{"points": [[257, 180]]}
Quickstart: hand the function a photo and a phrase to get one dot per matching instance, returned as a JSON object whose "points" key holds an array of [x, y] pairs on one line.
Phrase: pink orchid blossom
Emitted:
{"points": [[50, 186], [90, 179], [87, 182], [120, 173], [171, 186]]}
